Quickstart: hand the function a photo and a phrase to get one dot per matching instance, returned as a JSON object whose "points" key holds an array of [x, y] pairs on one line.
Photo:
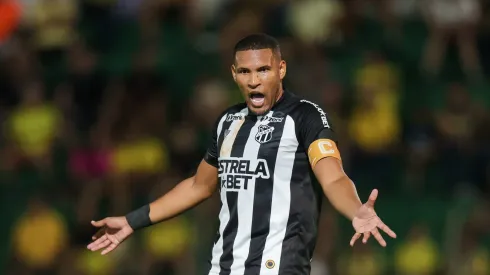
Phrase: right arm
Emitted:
{"points": [[182, 197], [187, 194]]}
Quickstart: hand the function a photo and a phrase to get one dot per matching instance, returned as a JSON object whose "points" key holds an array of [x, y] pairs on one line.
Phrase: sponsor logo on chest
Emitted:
{"points": [[236, 173]]}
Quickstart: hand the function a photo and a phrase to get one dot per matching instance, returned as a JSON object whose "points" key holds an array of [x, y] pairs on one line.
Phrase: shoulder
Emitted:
{"points": [[237, 108], [306, 110], [231, 111]]}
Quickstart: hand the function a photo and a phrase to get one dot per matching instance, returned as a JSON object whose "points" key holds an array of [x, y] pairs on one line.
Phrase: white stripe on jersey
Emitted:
{"points": [[245, 204], [224, 214], [230, 138], [281, 197]]}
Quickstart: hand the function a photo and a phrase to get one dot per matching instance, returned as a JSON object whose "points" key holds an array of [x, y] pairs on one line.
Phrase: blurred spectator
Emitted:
{"points": [[40, 236], [137, 158], [53, 25], [375, 126], [211, 97], [363, 260], [184, 141], [456, 128], [325, 249], [167, 244], [88, 85], [473, 258], [418, 254], [238, 25], [420, 141], [33, 127], [313, 22], [10, 13], [93, 263], [449, 19], [98, 17], [310, 71]]}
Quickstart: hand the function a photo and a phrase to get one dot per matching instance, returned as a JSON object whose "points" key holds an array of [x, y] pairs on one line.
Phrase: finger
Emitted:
{"points": [[97, 242], [105, 244], [109, 248], [101, 243], [366, 237], [98, 223], [372, 198], [386, 229], [378, 237], [99, 234], [355, 238], [113, 239]]}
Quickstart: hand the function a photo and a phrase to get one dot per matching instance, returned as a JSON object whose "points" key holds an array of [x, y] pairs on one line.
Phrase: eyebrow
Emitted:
{"points": [[259, 68]]}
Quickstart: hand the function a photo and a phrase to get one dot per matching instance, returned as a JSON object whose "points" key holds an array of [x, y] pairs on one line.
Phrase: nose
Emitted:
{"points": [[253, 81]]}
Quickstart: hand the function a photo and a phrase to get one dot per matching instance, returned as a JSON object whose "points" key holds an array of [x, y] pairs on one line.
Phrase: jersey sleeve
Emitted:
{"points": [[211, 155], [316, 133]]}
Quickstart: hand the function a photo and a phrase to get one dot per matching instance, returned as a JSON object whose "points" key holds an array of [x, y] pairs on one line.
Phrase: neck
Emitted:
{"points": [[281, 92]]}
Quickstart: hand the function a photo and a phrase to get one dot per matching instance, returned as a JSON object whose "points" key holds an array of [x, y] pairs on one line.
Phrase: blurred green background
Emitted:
{"points": [[107, 104]]}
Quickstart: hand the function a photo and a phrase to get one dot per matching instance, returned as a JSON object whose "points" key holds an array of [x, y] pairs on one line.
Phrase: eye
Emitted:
{"points": [[264, 69], [242, 71]]}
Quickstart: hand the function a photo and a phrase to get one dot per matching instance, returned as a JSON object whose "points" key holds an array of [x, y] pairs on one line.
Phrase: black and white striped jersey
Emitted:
{"points": [[270, 206]]}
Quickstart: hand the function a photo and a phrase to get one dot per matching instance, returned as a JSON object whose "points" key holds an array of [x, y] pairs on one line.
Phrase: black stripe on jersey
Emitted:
{"points": [[263, 204], [307, 202], [230, 231]]}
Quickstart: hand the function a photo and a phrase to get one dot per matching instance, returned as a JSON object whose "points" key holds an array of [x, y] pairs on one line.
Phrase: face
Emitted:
{"points": [[259, 74]]}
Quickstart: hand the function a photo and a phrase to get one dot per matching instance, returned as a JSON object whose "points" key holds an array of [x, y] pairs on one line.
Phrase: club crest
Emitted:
{"points": [[264, 134]]}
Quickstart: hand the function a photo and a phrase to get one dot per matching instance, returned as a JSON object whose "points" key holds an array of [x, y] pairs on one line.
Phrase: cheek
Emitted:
{"points": [[241, 82]]}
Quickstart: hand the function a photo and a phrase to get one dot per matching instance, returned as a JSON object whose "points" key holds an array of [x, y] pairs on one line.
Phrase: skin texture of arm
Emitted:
{"points": [[337, 186], [187, 194]]}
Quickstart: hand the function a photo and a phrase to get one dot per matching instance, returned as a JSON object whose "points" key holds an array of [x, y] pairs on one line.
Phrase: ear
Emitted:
{"points": [[282, 69], [233, 72]]}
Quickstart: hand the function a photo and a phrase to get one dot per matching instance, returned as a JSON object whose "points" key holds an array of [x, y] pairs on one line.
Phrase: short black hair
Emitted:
{"points": [[257, 41]]}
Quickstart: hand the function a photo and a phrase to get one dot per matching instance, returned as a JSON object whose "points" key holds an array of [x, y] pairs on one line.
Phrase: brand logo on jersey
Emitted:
{"points": [[323, 115], [235, 173], [271, 119], [232, 117], [264, 134]]}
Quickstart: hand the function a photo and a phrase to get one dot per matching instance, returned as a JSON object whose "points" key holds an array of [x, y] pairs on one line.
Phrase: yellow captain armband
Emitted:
{"points": [[322, 148]]}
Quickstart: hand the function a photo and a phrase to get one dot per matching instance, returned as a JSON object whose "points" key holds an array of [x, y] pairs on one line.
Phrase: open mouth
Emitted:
{"points": [[257, 98]]}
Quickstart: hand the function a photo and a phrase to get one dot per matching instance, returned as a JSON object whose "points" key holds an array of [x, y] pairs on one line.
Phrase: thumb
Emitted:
{"points": [[372, 198], [98, 223]]}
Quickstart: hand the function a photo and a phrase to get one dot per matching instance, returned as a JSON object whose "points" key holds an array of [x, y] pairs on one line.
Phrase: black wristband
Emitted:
{"points": [[139, 218]]}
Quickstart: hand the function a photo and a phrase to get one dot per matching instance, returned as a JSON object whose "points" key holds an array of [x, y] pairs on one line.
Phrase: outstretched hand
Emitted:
{"points": [[112, 232], [367, 222]]}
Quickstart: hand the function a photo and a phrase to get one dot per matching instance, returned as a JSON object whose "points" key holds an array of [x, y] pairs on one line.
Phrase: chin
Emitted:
{"points": [[259, 111]]}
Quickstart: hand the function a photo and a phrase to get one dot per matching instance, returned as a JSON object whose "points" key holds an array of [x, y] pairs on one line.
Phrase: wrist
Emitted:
{"points": [[139, 218]]}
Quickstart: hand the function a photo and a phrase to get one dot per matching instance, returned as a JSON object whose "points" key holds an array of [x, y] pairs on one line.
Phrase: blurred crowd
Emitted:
{"points": [[107, 104]]}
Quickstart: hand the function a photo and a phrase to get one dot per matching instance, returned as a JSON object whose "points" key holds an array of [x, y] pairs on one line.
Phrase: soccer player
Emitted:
{"points": [[262, 158]]}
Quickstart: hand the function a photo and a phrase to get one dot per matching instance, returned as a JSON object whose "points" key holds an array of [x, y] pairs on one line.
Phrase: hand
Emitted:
{"points": [[367, 222], [112, 232]]}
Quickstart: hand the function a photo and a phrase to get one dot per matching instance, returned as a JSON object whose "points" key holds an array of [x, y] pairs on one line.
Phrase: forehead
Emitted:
{"points": [[254, 58]]}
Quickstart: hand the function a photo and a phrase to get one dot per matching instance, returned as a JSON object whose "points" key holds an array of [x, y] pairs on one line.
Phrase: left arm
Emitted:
{"points": [[318, 137], [337, 186]]}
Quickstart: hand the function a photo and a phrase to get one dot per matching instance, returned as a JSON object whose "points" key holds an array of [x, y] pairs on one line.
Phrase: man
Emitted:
{"points": [[261, 158]]}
